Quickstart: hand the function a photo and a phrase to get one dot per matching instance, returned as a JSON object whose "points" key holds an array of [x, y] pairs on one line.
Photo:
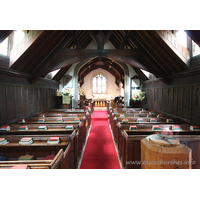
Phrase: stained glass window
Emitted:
{"points": [[99, 84]]}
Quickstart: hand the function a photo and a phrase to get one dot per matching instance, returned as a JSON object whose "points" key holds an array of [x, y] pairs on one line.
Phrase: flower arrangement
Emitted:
{"points": [[66, 91], [82, 92], [139, 96]]}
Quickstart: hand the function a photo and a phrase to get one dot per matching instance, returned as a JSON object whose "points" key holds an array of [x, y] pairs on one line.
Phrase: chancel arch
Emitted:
{"points": [[75, 81]]}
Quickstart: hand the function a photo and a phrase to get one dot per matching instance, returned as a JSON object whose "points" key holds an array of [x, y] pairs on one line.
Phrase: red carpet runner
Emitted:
{"points": [[100, 151]]}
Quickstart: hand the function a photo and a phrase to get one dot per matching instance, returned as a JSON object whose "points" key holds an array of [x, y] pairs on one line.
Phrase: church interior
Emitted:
{"points": [[139, 86], [106, 93]]}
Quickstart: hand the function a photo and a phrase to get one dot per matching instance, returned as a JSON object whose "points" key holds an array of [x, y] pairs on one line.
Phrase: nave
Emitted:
{"points": [[118, 138]]}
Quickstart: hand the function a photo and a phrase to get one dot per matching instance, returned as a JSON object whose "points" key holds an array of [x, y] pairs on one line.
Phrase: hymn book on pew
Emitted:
{"points": [[169, 120], [153, 120], [53, 140], [160, 115], [69, 127], [140, 120], [3, 141], [156, 128], [25, 166], [125, 120], [41, 120], [149, 115], [136, 115], [23, 128], [133, 128], [26, 141], [176, 128], [42, 128], [5, 128], [59, 120], [72, 115], [21, 121], [26, 157], [76, 120], [41, 115], [194, 128]]}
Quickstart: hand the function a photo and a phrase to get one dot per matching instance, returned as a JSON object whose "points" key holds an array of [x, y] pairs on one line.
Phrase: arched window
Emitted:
{"points": [[99, 84]]}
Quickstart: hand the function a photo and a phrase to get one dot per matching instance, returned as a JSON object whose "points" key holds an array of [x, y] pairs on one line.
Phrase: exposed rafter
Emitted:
{"points": [[147, 50]]}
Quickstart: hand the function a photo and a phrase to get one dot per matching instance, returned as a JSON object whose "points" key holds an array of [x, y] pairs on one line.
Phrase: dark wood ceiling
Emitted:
{"points": [[141, 49], [4, 34]]}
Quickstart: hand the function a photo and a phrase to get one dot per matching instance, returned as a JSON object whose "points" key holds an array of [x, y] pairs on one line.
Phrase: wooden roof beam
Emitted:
{"points": [[128, 33], [75, 39], [61, 73]]}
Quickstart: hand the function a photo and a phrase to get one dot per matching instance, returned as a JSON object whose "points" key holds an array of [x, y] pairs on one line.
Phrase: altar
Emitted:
{"points": [[99, 103]]}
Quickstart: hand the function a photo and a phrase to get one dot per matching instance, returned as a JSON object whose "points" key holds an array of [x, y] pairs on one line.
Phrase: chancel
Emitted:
{"points": [[99, 99]]}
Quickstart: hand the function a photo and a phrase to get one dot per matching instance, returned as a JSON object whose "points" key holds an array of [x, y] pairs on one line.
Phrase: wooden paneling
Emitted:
{"points": [[35, 100], [160, 99], [18, 101], [3, 103], [30, 100], [177, 99], [164, 100], [170, 99], [25, 100], [10, 98], [174, 105], [196, 104], [187, 102], [39, 99]]}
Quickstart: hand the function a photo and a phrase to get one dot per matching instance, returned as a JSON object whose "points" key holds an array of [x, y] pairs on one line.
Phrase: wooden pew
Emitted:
{"points": [[133, 120], [36, 164], [123, 110], [126, 144], [131, 154], [77, 139], [83, 126], [87, 114], [147, 120], [39, 149], [74, 136], [51, 120]]}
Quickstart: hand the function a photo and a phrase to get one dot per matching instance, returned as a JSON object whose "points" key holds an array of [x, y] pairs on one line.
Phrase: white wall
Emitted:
{"points": [[113, 89]]}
